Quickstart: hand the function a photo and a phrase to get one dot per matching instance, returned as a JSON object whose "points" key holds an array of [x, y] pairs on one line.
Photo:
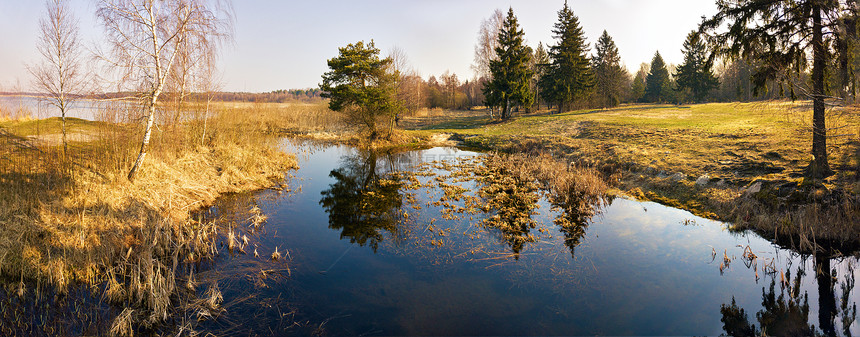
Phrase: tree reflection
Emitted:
{"points": [[512, 186], [786, 313], [364, 201], [575, 216], [573, 226], [782, 315]]}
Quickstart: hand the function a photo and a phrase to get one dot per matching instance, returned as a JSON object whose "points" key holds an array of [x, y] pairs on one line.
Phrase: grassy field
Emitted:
{"points": [[72, 218], [660, 152]]}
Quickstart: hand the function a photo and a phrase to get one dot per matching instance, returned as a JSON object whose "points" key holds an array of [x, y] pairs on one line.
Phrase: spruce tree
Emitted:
{"points": [[608, 74], [657, 81], [569, 75], [784, 35], [637, 89], [510, 71], [695, 74]]}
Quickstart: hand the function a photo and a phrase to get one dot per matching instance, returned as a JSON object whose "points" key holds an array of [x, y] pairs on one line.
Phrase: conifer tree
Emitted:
{"points": [[360, 85], [637, 89], [569, 75], [657, 81], [608, 75], [510, 71], [782, 35], [695, 74]]}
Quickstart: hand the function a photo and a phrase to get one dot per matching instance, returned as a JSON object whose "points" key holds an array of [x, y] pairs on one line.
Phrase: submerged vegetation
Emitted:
{"points": [[738, 162], [367, 201]]}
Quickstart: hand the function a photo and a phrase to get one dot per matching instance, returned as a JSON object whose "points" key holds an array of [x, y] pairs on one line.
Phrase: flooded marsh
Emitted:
{"points": [[450, 242]]}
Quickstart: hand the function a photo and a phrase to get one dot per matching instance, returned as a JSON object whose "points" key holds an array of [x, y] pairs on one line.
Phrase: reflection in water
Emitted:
{"points": [[439, 271], [513, 196], [786, 313], [783, 314], [364, 201], [573, 223], [514, 184]]}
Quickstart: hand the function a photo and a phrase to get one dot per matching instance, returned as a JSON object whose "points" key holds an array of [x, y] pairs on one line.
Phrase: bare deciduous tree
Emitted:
{"points": [[450, 83], [146, 37], [488, 40], [59, 76], [408, 82]]}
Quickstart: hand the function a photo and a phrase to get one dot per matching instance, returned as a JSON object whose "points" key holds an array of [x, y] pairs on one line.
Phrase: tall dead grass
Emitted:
{"points": [[72, 218]]}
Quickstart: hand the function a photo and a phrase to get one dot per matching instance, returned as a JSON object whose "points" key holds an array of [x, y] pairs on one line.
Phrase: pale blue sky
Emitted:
{"points": [[285, 44]]}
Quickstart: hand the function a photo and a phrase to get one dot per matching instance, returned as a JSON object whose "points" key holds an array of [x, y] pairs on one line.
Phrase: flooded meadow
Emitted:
{"points": [[446, 241]]}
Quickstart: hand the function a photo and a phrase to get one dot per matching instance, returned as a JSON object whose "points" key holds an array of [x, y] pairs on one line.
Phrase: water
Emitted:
{"points": [[40, 108], [390, 268]]}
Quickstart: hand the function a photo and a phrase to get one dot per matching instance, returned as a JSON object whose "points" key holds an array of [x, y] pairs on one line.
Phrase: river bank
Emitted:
{"points": [[737, 162], [71, 218]]}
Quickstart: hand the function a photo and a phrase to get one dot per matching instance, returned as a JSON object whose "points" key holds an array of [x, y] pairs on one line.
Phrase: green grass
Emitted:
{"points": [[693, 139], [640, 147]]}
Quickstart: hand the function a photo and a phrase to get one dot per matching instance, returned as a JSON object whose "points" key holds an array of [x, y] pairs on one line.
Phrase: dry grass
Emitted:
{"points": [[295, 118], [657, 153], [509, 187], [73, 218], [510, 184]]}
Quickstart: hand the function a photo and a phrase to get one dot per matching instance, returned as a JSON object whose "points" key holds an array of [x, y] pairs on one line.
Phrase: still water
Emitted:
{"points": [[406, 266], [35, 107]]}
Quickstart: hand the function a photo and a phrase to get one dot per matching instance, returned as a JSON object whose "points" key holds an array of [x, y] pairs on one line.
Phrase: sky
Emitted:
{"points": [[284, 44]]}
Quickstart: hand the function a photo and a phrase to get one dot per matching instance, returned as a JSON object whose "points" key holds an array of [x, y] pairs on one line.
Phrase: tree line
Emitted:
{"points": [[762, 49]]}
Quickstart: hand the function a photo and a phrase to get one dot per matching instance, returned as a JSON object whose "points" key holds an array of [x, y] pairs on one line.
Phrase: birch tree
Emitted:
{"points": [[488, 41], [145, 38]]}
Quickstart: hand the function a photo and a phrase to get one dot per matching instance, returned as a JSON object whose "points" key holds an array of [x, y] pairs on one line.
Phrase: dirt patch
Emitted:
{"points": [[442, 139]]}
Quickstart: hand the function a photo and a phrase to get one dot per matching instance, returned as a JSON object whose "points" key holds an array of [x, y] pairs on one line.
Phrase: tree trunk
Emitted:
{"points": [[146, 135], [819, 167], [826, 297], [65, 144]]}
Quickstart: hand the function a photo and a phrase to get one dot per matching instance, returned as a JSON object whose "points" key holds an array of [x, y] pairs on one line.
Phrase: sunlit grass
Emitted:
{"points": [[72, 217], [658, 152]]}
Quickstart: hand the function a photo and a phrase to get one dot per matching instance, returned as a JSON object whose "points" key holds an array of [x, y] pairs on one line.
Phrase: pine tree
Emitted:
{"points": [[609, 76], [657, 81], [783, 35], [360, 85], [695, 73], [510, 71], [569, 75]]}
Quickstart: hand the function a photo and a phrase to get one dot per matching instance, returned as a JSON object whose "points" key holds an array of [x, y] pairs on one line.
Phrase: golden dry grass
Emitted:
{"points": [[74, 218]]}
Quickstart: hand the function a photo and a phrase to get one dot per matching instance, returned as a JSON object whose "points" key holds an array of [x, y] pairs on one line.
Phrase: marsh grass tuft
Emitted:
{"points": [[123, 325]]}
